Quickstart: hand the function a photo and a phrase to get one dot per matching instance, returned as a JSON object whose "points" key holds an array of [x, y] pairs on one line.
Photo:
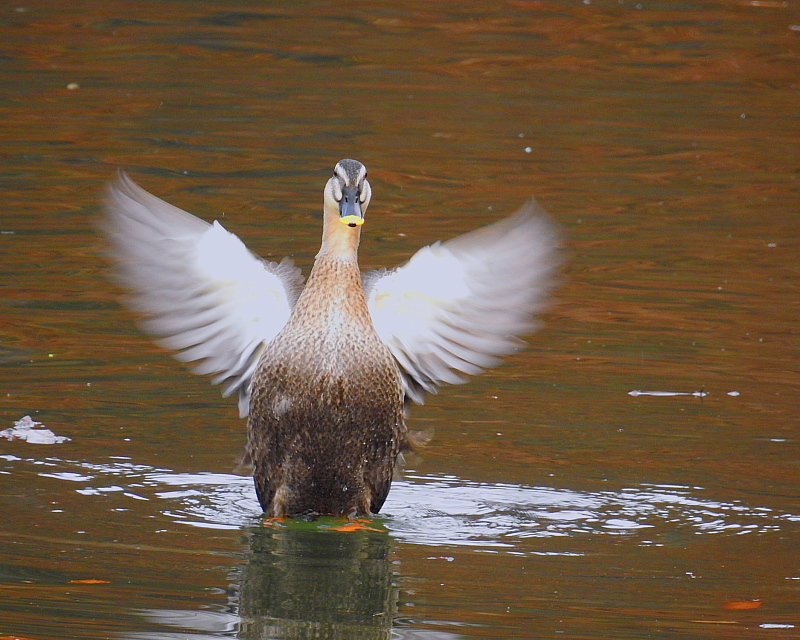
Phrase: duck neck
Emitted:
{"points": [[334, 289], [332, 306], [336, 264], [339, 241]]}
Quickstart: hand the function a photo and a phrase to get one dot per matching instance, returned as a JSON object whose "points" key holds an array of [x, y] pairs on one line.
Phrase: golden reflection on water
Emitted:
{"points": [[663, 139]]}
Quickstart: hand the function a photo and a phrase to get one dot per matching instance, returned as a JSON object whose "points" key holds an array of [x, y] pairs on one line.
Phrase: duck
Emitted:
{"points": [[325, 369]]}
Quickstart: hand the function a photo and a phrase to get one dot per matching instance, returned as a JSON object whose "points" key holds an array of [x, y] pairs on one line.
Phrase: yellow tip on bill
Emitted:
{"points": [[352, 221]]}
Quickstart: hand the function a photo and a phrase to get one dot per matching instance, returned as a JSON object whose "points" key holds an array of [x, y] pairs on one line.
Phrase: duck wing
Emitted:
{"points": [[456, 306], [200, 290]]}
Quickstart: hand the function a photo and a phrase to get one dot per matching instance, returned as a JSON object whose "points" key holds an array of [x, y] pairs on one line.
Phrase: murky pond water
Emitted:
{"points": [[552, 502]]}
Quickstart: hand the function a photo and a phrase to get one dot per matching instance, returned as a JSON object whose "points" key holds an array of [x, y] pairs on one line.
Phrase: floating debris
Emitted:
{"points": [[696, 394], [775, 625], [742, 604], [25, 429]]}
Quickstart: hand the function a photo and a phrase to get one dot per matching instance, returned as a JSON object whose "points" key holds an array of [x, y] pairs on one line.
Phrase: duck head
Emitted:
{"points": [[348, 192], [347, 196]]}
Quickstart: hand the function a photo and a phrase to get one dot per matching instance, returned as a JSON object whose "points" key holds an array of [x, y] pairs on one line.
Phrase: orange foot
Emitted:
{"points": [[357, 525], [274, 522]]}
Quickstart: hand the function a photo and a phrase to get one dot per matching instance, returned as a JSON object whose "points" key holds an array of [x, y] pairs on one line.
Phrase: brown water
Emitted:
{"points": [[663, 136]]}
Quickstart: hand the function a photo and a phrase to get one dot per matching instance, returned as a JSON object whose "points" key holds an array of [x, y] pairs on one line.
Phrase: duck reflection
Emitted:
{"points": [[317, 583]]}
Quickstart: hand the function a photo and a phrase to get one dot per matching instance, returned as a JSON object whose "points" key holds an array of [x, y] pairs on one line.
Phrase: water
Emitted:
{"points": [[551, 502]]}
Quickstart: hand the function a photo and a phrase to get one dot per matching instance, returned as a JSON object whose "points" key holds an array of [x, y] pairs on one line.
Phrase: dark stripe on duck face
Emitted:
{"points": [[351, 190], [351, 172], [350, 176]]}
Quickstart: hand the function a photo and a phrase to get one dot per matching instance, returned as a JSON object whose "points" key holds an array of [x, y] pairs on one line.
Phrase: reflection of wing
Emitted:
{"points": [[197, 285], [458, 305]]}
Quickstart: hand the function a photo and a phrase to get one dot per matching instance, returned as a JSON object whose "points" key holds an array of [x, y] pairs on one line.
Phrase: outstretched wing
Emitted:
{"points": [[455, 307], [198, 287]]}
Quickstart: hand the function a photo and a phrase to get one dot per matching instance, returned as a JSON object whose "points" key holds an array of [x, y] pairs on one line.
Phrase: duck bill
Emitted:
{"points": [[352, 221], [350, 212]]}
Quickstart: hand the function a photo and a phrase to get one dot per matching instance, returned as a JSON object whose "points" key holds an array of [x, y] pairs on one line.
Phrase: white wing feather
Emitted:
{"points": [[455, 307], [200, 289]]}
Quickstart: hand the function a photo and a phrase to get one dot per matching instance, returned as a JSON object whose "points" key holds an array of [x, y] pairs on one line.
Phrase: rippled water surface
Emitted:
{"points": [[552, 502]]}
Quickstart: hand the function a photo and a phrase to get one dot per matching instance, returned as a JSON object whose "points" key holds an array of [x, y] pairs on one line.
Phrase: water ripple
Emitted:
{"points": [[432, 510]]}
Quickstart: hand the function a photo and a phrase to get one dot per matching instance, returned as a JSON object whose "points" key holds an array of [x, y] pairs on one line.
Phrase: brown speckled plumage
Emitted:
{"points": [[326, 419]]}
